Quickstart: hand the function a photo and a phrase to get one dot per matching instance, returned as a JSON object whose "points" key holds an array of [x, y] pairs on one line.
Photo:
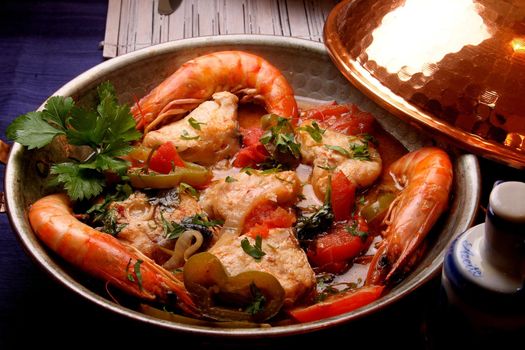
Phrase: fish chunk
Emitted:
{"points": [[283, 258], [233, 200], [142, 222], [335, 153], [206, 135]]}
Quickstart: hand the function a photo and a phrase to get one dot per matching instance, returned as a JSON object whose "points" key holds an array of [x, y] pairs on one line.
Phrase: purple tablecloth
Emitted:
{"points": [[44, 44]]}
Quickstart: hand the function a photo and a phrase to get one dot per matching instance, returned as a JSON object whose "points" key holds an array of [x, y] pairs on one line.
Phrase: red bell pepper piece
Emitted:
{"points": [[337, 304], [343, 196]]}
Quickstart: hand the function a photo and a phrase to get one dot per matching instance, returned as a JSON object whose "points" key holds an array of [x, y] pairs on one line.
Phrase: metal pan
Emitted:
{"points": [[310, 71]]}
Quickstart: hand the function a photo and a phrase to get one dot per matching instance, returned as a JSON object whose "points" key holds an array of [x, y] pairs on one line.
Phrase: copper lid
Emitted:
{"points": [[455, 68]]}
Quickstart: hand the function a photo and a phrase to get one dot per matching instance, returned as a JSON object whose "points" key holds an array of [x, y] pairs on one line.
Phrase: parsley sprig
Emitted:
{"points": [[255, 251], [316, 133], [279, 141], [107, 131]]}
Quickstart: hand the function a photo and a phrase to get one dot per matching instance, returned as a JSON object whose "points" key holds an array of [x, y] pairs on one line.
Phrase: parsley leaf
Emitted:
{"points": [[258, 300], [340, 150], [230, 179], [195, 124], [354, 231], [79, 183], [255, 251], [360, 151], [316, 133], [186, 136], [57, 110], [279, 141], [32, 131], [136, 269], [107, 130], [321, 220]]}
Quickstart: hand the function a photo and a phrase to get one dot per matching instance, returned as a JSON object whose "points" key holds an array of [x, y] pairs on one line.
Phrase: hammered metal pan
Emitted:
{"points": [[310, 71]]}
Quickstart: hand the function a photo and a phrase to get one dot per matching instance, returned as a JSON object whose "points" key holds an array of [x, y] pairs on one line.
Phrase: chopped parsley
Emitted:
{"points": [[308, 226], [258, 301], [327, 167], [279, 141], [354, 231], [186, 136], [195, 124], [360, 151], [111, 225], [189, 189], [198, 222], [107, 131], [229, 179], [255, 251], [136, 270], [316, 133], [369, 138], [340, 150]]}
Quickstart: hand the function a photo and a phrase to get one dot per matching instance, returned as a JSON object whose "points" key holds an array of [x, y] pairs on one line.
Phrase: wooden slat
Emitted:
{"points": [[134, 24], [112, 29], [123, 31]]}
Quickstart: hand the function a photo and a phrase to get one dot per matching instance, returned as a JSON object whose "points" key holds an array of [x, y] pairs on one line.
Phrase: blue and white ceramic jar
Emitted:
{"points": [[484, 268]]}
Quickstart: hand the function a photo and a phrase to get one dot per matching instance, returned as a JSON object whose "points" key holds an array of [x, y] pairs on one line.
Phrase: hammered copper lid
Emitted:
{"points": [[455, 68]]}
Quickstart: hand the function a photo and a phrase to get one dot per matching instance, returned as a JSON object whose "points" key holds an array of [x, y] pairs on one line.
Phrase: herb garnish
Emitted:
{"points": [[327, 167], [189, 189], [316, 133], [110, 223], [107, 131], [360, 151], [186, 136], [279, 141], [255, 251], [369, 138], [195, 124], [258, 301], [198, 222], [340, 150], [136, 269], [309, 226], [230, 179], [354, 231]]}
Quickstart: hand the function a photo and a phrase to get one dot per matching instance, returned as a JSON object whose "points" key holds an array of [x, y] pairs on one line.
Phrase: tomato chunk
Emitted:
{"points": [[343, 196], [266, 216], [337, 304], [165, 159], [254, 151], [332, 251]]}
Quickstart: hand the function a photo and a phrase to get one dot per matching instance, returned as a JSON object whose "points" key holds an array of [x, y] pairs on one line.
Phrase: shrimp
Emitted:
{"points": [[425, 178], [197, 80], [101, 254]]}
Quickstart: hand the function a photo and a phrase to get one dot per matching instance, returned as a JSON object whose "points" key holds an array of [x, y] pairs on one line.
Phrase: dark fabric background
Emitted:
{"points": [[44, 44]]}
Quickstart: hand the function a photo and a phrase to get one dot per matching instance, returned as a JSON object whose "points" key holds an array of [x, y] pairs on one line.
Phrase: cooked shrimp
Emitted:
{"points": [[197, 80], [337, 151], [206, 135], [101, 254], [425, 179]]}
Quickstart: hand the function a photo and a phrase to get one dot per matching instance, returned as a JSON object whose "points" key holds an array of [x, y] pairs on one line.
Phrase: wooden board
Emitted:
{"points": [[134, 24]]}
